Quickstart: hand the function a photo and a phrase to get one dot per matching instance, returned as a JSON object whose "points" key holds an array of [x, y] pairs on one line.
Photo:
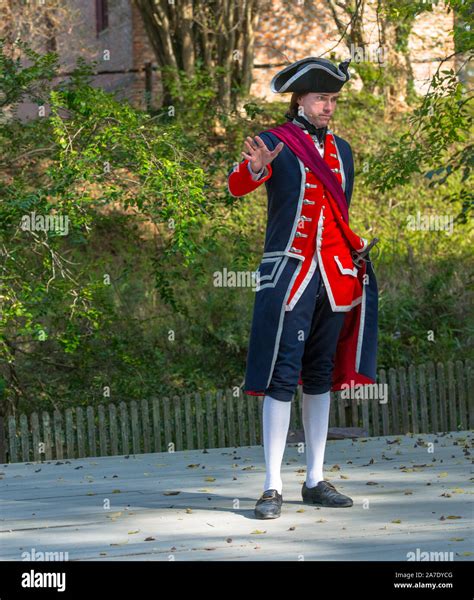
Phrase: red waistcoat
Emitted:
{"points": [[323, 238]]}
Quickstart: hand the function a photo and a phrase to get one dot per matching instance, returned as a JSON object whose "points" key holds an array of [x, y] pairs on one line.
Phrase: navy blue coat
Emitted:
{"points": [[279, 267]]}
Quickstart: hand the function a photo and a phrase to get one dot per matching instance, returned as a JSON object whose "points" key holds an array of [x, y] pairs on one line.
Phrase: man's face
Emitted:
{"points": [[318, 107]]}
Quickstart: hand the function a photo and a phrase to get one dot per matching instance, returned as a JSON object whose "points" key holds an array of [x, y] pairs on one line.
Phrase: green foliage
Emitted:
{"points": [[436, 144], [91, 155], [17, 81], [126, 300]]}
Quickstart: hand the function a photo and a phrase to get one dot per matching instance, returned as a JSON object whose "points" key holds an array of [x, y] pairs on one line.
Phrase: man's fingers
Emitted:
{"points": [[252, 143], [277, 150], [249, 147]]}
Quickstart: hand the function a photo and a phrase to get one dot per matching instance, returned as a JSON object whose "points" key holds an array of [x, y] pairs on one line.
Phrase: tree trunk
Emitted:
{"points": [[221, 33], [398, 70]]}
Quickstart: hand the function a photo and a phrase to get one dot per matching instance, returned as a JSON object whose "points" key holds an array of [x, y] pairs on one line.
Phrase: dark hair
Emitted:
{"points": [[292, 111]]}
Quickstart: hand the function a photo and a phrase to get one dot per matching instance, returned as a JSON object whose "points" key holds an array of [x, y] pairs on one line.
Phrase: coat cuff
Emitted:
{"points": [[241, 181], [257, 176]]}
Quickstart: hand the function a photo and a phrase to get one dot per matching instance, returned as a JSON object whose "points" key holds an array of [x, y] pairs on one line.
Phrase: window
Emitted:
{"points": [[101, 15]]}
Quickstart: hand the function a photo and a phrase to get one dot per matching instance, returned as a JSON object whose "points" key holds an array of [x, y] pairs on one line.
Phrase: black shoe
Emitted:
{"points": [[269, 505], [325, 494]]}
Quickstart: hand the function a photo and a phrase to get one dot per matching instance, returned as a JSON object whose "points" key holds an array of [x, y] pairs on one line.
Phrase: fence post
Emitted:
{"points": [[470, 391], [102, 431], [58, 434], [433, 397], [36, 437], [413, 398], [3, 441], [211, 420], [25, 438], [156, 425]]}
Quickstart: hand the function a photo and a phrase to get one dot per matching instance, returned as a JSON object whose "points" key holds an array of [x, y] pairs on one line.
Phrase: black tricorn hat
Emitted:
{"points": [[311, 75]]}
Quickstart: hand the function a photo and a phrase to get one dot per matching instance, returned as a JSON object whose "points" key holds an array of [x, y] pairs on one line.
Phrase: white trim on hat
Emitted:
{"points": [[342, 77]]}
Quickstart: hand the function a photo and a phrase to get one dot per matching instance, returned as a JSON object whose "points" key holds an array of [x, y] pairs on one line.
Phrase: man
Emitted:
{"points": [[315, 313]]}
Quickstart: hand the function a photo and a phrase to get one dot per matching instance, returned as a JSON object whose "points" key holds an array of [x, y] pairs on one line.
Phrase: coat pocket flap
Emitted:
{"points": [[269, 271], [346, 266]]}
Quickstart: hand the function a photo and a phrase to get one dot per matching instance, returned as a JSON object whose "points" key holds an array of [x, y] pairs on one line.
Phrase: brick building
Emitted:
{"points": [[112, 33]]}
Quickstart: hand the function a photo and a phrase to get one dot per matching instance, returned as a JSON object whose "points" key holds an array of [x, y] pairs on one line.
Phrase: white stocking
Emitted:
{"points": [[315, 423], [276, 422]]}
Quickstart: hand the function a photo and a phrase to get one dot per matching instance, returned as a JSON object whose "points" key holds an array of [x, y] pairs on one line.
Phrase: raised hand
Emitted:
{"points": [[258, 154]]}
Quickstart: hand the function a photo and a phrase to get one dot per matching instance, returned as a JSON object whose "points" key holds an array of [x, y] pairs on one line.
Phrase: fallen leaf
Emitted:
{"points": [[119, 544]]}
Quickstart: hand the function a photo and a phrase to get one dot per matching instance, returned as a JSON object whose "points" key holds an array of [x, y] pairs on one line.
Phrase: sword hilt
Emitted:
{"points": [[357, 257]]}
